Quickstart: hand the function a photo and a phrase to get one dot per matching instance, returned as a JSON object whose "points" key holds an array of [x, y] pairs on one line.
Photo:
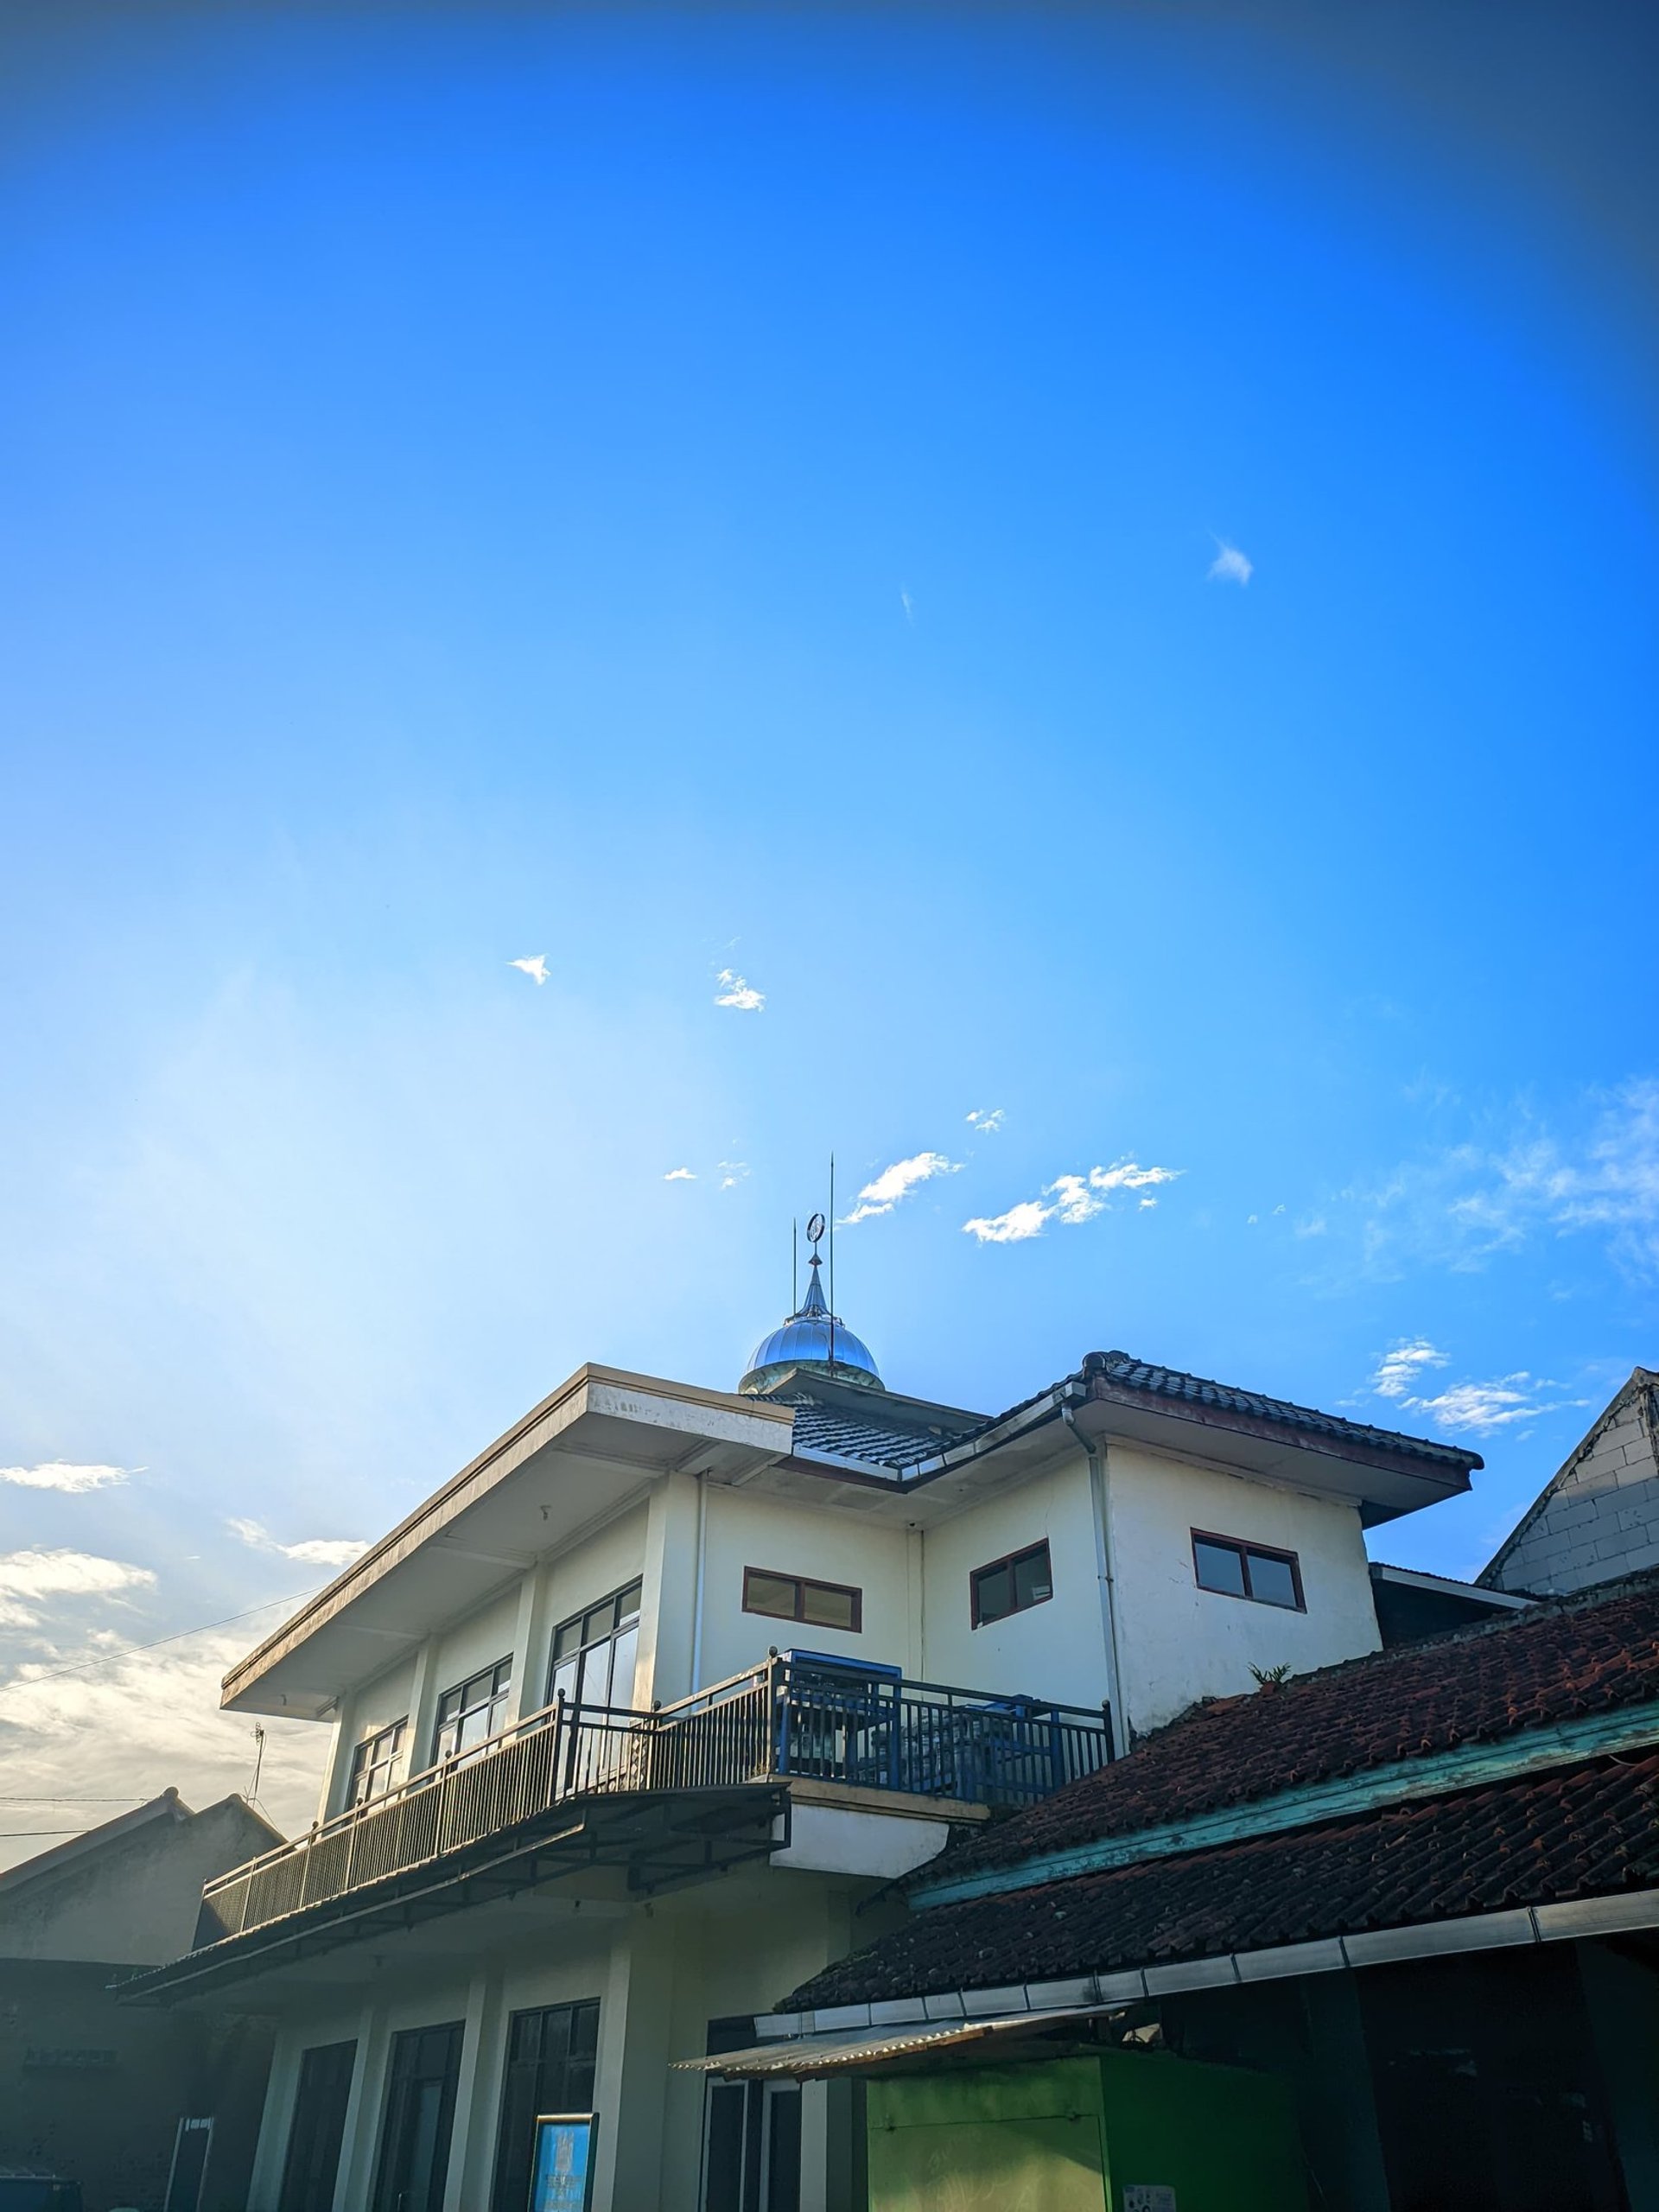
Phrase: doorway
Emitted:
{"points": [[420, 2115]]}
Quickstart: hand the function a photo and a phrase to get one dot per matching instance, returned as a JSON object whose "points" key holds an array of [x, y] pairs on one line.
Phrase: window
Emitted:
{"points": [[550, 2068], [1235, 1570], [474, 1711], [1009, 1585], [318, 2128], [421, 2087], [751, 2135], [378, 1764], [594, 1652], [793, 1597]]}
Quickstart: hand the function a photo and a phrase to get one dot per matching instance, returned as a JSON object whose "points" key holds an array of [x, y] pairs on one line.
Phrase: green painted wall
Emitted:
{"points": [[1084, 2135]]}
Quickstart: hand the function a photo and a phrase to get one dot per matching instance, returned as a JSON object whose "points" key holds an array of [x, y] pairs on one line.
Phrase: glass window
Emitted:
{"points": [[795, 1598], [378, 1764], [1238, 1570], [550, 2068], [318, 2128], [474, 1711], [1010, 1586], [594, 1652], [751, 2135], [420, 2083]]}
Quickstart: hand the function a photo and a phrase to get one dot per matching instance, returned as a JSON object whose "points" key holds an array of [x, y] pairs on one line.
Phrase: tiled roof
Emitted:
{"points": [[1120, 1370], [853, 1436], [1550, 1662], [1578, 1832]]}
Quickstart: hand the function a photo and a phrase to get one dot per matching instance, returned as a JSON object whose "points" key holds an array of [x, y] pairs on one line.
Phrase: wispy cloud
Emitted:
{"points": [[736, 991], [1479, 1408], [1230, 565], [897, 1182], [1466, 1205], [732, 1173], [986, 1121], [313, 1551], [29, 1577], [130, 1726], [1068, 1199], [680, 1175], [534, 966], [1396, 1373], [905, 601], [63, 1475]]}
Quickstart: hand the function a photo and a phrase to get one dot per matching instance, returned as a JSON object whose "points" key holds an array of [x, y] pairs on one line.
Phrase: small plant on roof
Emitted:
{"points": [[1268, 1678]]}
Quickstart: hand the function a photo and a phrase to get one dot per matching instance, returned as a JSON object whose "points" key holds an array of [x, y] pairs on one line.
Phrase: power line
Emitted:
{"points": [[6, 1834], [73, 1801], [108, 1658]]}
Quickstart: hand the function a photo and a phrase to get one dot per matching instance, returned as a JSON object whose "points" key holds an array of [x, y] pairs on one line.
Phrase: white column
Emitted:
{"points": [[363, 2111], [264, 2184], [814, 2147], [469, 2175], [530, 1652], [631, 2084], [422, 1707]]}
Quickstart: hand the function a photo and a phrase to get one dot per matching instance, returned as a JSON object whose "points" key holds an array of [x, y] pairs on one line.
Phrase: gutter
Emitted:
{"points": [[1100, 1498], [1577, 1920]]}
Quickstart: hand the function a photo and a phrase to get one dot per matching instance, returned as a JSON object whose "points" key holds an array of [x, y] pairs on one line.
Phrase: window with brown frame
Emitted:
{"points": [[796, 1597], [1234, 1569], [1010, 1585]]}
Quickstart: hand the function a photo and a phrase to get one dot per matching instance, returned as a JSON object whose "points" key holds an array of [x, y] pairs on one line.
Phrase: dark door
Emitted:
{"points": [[420, 2114], [318, 2128], [550, 2056]]}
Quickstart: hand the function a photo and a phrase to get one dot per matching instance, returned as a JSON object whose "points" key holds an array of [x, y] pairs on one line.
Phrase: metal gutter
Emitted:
{"points": [[1529, 1751], [1577, 1919]]}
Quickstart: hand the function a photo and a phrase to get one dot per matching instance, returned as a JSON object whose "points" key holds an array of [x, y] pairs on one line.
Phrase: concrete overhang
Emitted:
{"points": [[584, 1455], [1382, 1482]]}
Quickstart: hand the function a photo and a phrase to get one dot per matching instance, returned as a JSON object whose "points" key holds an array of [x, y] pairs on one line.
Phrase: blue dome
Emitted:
{"points": [[813, 1339]]}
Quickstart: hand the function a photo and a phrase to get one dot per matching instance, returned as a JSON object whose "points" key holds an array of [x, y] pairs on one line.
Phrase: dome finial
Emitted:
{"points": [[813, 1340]]}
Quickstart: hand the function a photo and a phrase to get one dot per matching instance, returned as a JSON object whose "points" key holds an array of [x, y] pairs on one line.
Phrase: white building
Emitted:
{"points": [[1598, 1516], [636, 1718]]}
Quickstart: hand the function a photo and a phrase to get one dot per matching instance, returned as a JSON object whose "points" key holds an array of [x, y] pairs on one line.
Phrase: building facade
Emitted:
{"points": [[638, 1719], [1598, 1516]]}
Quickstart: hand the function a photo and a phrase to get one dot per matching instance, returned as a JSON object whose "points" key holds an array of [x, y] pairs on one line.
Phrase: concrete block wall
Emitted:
{"points": [[1599, 1518]]}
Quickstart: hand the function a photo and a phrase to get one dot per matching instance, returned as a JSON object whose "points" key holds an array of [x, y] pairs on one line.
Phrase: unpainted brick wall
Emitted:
{"points": [[1602, 1518]]}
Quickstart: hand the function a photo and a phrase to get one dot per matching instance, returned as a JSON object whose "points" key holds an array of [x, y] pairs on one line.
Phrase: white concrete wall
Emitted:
{"points": [[1599, 1518], [827, 1544], [1055, 1650], [1179, 1643]]}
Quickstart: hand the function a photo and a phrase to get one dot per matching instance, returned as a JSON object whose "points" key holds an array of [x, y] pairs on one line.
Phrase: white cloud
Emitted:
{"points": [[1395, 1374], [28, 1577], [738, 992], [143, 1722], [986, 1122], [312, 1551], [680, 1175], [1230, 565], [535, 967], [1147, 1205], [1027, 1219], [63, 1475], [1464, 1205], [897, 1182], [1071, 1200], [732, 1173], [905, 601]]}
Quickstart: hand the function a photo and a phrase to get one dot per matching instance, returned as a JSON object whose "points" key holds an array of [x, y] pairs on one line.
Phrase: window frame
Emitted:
{"points": [[1241, 1547], [363, 1765], [621, 1624], [1009, 1559], [804, 1583], [500, 1692]]}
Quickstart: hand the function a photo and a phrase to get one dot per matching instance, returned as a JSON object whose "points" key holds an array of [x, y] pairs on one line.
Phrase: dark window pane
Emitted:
{"points": [[723, 2146], [1271, 1580], [550, 2068], [600, 1622], [1219, 1567], [770, 1593], [827, 1608], [783, 2149], [419, 2113], [1032, 1578], [995, 1589], [318, 2128]]}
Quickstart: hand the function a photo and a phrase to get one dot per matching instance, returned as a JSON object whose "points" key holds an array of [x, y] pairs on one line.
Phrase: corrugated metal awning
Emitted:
{"points": [[800, 2057]]}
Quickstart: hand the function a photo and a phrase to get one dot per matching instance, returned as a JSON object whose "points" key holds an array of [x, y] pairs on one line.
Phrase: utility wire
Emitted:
{"points": [[108, 1658], [6, 1834]]}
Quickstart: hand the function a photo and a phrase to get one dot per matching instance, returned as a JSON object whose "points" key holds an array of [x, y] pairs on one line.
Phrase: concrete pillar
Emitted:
{"points": [[531, 1636], [472, 2139], [668, 1599], [1621, 1996], [282, 2086], [422, 1707], [367, 2101], [635, 2047]]}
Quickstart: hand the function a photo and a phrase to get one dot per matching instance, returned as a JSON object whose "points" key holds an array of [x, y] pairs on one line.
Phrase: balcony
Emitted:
{"points": [[685, 1790]]}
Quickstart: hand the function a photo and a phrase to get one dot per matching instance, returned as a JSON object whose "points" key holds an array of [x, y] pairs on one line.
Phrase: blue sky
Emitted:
{"points": [[685, 495]]}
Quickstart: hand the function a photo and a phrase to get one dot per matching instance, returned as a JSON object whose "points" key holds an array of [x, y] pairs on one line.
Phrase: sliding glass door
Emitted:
{"points": [[420, 2115]]}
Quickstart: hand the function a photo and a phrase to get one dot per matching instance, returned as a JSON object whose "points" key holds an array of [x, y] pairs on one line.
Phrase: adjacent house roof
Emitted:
{"points": [[1515, 1763], [1642, 1390]]}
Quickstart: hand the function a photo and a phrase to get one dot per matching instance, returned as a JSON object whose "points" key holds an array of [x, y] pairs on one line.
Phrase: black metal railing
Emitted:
{"points": [[791, 1718]]}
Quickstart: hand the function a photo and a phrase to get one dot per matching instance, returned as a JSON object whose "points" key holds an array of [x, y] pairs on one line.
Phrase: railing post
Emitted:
{"points": [[572, 1737], [1111, 1742], [553, 1789], [777, 1713]]}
